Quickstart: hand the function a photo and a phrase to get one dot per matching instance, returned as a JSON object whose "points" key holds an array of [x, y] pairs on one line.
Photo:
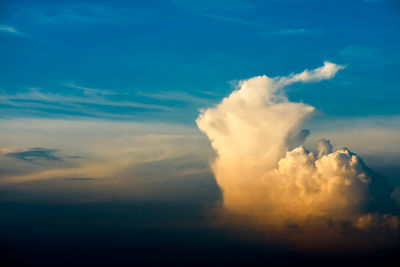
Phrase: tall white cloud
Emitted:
{"points": [[253, 132]]}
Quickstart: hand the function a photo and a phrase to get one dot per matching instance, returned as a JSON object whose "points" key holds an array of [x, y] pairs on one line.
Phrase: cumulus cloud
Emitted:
{"points": [[324, 147], [268, 177]]}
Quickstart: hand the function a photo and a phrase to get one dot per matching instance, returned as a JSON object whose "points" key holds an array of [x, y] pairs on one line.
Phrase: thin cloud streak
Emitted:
{"points": [[272, 30], [87, 13], [70, 101], [228, 19], [176, 96], [89, 91], [299, 31], [9, 29]]}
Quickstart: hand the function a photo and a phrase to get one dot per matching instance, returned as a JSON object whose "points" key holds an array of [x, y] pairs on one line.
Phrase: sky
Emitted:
{"points": [[116, 116], [163, 60]]}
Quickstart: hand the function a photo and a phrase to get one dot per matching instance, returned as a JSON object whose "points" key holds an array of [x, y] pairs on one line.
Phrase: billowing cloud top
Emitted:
{"points": [[255, 113], [253, 132]]}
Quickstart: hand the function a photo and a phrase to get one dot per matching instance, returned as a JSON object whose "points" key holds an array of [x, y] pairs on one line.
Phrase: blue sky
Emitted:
{"points": [[163, 60]]}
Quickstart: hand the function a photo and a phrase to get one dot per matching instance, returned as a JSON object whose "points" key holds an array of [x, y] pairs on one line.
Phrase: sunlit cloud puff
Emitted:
{"points": [[276, 184]]}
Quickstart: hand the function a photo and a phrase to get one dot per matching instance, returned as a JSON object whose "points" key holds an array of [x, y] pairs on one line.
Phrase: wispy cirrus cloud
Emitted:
{"points": [[229, 19], [72, 99], [89, 91], [268, 30], [93, 102], [177, 96], [10, 29], [80, 13], [37, 94], [294, 31], [218, 11]]}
